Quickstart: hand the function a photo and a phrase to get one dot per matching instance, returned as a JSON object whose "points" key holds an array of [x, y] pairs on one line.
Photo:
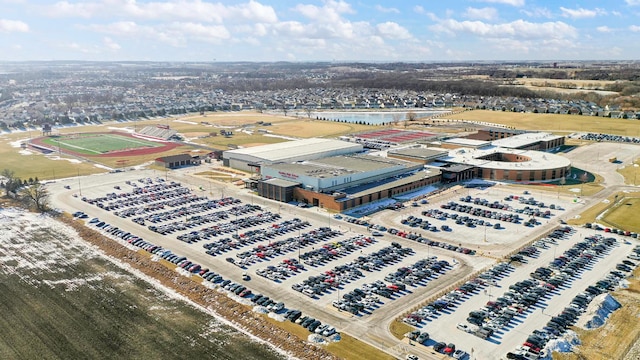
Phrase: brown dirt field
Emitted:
{"points": [[254, 144]]}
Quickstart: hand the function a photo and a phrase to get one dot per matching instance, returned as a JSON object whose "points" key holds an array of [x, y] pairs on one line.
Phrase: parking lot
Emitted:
{"points": [[288, 255], [337, 271], [498, 295], [487, 218]]}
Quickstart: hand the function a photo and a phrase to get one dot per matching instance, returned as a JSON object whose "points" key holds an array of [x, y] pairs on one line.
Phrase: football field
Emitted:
{"points": [[98, 143]]}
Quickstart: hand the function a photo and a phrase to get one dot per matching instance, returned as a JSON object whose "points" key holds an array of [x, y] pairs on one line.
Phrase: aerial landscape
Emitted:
{"points": [[319, 180]]}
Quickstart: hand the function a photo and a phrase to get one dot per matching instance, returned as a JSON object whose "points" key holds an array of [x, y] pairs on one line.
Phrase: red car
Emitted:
{"points": [[449, 349]]}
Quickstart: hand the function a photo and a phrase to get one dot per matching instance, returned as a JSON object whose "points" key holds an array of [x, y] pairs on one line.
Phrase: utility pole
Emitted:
{"points": [[79, 187]]}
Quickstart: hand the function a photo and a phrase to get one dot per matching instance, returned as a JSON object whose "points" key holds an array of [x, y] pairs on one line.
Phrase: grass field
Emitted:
{"points": [[61, 300], [631, 173], [553, 122], [96, 144], [624, 215]]}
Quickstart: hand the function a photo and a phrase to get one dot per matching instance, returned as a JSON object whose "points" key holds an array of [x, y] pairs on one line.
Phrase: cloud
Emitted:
{"points": [[537, 12], [487, 13], [7, 26], [632, 2], [110, 44], [387, 10], [517, 3], [391, 30], [189, 10], [176, 34], [518, 29], [604, 29], [331, 11], [634, 28], [581, 13]]}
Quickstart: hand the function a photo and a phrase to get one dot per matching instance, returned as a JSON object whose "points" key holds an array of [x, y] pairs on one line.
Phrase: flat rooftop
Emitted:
{"points": [[388, 183], [341, 165], [421, 153], [522, 140], [466, 142], [295, 148], [539, 160]]}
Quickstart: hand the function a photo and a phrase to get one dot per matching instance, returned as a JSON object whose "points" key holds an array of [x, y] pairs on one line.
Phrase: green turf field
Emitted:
{"points": [[96, 144]]}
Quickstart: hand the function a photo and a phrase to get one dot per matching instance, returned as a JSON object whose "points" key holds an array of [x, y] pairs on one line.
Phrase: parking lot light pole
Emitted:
{"points": [[79, 187], [299, 244]]}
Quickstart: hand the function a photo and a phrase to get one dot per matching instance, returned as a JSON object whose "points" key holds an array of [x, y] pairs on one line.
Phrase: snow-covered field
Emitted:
{"points": [[47, 267]]}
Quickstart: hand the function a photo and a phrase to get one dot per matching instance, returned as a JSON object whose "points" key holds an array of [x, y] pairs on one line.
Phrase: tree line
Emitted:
{"points": [[32, 193]]}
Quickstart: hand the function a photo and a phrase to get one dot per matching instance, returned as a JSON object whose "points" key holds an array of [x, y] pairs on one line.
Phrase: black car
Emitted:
{"points": [[439, 346]]}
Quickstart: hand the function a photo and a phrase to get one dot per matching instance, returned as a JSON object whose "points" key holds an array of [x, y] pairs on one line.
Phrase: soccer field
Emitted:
{"points": [[97, 144]]}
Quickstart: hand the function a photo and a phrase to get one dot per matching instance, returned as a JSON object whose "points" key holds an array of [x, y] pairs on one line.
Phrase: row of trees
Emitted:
{"points": [[31, 192]]}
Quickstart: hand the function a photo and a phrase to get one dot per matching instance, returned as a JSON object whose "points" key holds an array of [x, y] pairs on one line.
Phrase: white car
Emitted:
{"points": [[464, 327], [459, 354], [412, 357]]}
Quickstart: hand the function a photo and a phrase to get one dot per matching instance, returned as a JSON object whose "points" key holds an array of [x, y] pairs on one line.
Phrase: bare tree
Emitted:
{"points": [[308, 109], [412, 116], [36, 195], [11, 182], [396, 118]]}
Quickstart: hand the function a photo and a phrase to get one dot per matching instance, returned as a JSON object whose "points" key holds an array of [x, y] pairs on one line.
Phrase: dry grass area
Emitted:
{"points": [[317, 128], [351, 348], [398, 329], [625, 214], [553, 122], [631, 173], [617, 338]]}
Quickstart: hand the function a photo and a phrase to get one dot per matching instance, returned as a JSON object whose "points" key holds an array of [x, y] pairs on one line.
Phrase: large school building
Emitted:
{"points": [[339, 175]]}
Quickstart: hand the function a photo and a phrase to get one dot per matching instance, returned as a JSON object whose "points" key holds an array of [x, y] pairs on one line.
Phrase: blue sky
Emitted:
{"points": [[312, 30]]}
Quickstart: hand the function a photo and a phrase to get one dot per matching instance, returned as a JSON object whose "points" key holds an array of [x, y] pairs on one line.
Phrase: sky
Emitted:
{"points": [[319, 30]]}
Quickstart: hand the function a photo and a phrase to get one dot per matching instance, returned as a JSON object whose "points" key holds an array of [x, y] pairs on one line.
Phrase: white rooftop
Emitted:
{"points": [[467, 142], [525, 139], [539, 160], [285, 150]]}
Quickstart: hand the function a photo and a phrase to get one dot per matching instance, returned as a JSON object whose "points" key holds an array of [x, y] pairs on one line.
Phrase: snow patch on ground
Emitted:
{"points": [[316, 339], [42, 245], [281, 137], [598, 311], [125, 129], [56, 157], [186, 122], [17, 143], [260, 310], [563, 344], [277, 317], [100, 166]]}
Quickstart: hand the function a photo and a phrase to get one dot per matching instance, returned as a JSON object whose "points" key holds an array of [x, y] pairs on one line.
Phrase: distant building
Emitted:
{"points": [[176, 161]]}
